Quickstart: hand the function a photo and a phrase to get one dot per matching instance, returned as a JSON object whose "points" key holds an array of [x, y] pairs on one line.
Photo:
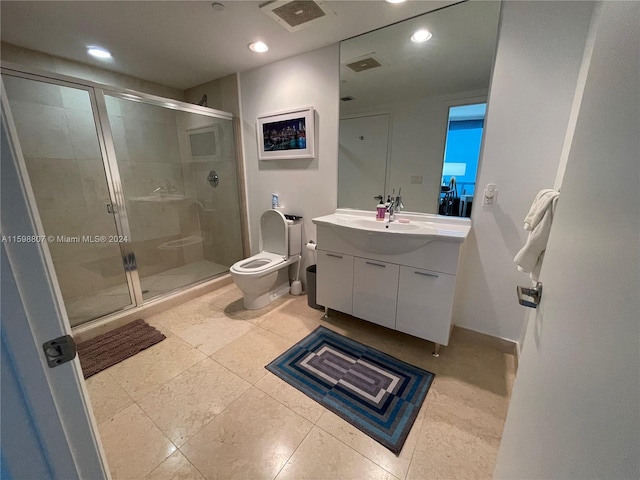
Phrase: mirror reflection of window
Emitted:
{"points": [[385, 72], [461, 156]]}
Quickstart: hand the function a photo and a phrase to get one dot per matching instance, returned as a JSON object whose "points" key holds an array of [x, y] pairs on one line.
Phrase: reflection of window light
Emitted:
{"points": [[455, 169]]}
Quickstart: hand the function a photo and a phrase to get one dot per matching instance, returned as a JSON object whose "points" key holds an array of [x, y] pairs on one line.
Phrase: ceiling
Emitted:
{"points": [[183, 44], [458, 58]]}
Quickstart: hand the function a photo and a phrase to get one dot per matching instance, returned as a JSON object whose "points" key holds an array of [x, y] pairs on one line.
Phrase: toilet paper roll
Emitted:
{"points": [[311, 246]]}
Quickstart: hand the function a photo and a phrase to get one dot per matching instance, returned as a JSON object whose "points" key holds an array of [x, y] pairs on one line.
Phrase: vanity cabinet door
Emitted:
{"points": [[375, 291], [334, 280], [425, 302]]}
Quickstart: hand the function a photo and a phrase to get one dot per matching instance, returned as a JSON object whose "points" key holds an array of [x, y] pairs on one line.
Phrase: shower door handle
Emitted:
{"points": [[129, 261], [111, 208]]}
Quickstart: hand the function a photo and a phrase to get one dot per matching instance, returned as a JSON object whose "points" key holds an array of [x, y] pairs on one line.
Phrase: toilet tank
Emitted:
{"points": [[295, 236]]}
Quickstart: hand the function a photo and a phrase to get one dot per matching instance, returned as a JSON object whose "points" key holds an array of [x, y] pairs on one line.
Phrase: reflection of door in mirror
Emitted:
{"points": [[416, 83], [461, 156], [362, 164]]}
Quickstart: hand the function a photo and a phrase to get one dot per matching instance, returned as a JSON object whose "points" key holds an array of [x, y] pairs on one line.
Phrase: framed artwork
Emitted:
{"points": [[286, 135]]}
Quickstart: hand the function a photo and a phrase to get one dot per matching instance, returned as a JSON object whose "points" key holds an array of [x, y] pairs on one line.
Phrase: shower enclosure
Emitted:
{"points": [[138, 196]]}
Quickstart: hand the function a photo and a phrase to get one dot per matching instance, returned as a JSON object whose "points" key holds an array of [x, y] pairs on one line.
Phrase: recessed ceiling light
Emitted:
{"points": [[395, 1], [259, 47], [98, 52], [421, 36]]}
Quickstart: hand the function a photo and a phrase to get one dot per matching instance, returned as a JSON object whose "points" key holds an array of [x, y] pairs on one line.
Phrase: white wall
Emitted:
{"points": [[575, 408], [538, 59], [306, 187]]}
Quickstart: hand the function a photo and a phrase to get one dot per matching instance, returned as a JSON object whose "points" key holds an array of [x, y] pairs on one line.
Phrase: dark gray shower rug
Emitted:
{"points": [[115, 346]]}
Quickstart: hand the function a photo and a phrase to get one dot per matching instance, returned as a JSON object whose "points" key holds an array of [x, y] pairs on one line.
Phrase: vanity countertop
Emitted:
{"points": [[419, 225]]}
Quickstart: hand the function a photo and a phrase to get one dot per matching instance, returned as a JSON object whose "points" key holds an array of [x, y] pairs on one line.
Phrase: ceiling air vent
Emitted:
{"points": [[366, 62], [297, 14]]}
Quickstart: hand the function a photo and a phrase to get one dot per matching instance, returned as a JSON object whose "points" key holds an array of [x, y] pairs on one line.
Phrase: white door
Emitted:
{"points": [[48, 429], [575, 407], [362, 160]]}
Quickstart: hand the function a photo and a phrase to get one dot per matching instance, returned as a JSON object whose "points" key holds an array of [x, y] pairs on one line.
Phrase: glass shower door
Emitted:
{"points": [[56, 129], [179, 179]]}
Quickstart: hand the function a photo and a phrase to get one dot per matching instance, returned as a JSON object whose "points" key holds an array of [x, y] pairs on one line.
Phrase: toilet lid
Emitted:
{"points": [[274, 234]]}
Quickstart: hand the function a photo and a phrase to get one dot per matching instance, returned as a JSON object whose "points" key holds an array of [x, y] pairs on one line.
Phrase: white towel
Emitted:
{"points": [[538, 222], [539, 208]]}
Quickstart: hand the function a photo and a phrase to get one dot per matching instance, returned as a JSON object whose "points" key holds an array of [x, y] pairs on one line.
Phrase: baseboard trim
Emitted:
{"points": [[501, 344]]}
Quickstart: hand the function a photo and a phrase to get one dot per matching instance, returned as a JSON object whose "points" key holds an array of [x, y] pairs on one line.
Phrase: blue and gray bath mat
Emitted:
{"points": [[378, 394]]}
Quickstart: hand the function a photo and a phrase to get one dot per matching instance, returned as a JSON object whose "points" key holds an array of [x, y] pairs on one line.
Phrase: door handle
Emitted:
{"points": [[534, 292]]}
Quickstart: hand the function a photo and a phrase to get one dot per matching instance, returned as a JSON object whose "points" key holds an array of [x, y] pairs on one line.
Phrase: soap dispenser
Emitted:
{"points": [[380, 208]]}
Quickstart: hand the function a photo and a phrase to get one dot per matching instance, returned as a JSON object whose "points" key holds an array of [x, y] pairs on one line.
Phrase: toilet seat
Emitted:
{"points": [[257, 263]]}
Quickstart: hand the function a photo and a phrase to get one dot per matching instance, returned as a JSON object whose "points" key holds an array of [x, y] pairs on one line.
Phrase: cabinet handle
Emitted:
{"points": [[427, 274], [376, 264], [333, 255]]}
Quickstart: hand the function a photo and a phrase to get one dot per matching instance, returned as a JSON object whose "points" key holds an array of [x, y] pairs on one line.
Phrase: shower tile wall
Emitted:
{"points": [[149, 158], [218, 208], [68, 181], [188, 233]]}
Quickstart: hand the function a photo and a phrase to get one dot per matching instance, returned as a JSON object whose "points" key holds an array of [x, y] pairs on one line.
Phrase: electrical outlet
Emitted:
{"points": [[490, 197], [416, 179]]}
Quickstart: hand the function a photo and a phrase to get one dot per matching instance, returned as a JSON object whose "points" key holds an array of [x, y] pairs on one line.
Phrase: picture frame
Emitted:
{"points": [[287, 135]]}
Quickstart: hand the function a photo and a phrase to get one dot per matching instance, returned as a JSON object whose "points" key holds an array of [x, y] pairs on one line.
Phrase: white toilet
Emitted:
{"points": [[265, 276]]}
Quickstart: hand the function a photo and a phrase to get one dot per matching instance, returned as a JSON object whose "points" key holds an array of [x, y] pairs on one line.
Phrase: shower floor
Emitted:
{"points": [[88, 307]]}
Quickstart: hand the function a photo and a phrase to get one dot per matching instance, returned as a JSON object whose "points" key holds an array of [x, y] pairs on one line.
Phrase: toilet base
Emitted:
{"points": [[255, 302]]}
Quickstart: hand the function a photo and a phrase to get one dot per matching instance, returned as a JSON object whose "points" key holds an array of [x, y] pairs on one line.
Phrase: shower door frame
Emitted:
{"points": [[121, 228], [97, 92]]}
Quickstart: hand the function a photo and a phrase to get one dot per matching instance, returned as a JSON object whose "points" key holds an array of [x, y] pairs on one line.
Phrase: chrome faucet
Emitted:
{"points": [[395, 205], [399, 204]]}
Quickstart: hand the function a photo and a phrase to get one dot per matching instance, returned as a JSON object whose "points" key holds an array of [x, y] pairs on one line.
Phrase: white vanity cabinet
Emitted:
{"points": [[375, 291], [335, 281], [400, 277], [425, 304]]}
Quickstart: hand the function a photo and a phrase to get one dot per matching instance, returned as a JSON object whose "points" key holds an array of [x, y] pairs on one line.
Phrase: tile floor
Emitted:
{"points": [[200, 404], [108, 300]]}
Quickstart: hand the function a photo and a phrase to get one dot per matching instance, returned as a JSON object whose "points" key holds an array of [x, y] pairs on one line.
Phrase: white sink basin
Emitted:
{"points": [[372, 224], [362, 230]]}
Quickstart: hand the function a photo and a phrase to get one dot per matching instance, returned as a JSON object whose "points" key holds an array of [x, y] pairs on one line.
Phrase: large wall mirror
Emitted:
{"points": [[412, 112]]}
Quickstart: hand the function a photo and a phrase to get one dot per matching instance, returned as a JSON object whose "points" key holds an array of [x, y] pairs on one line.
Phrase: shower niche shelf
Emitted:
{"points": [[164, 198]]}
